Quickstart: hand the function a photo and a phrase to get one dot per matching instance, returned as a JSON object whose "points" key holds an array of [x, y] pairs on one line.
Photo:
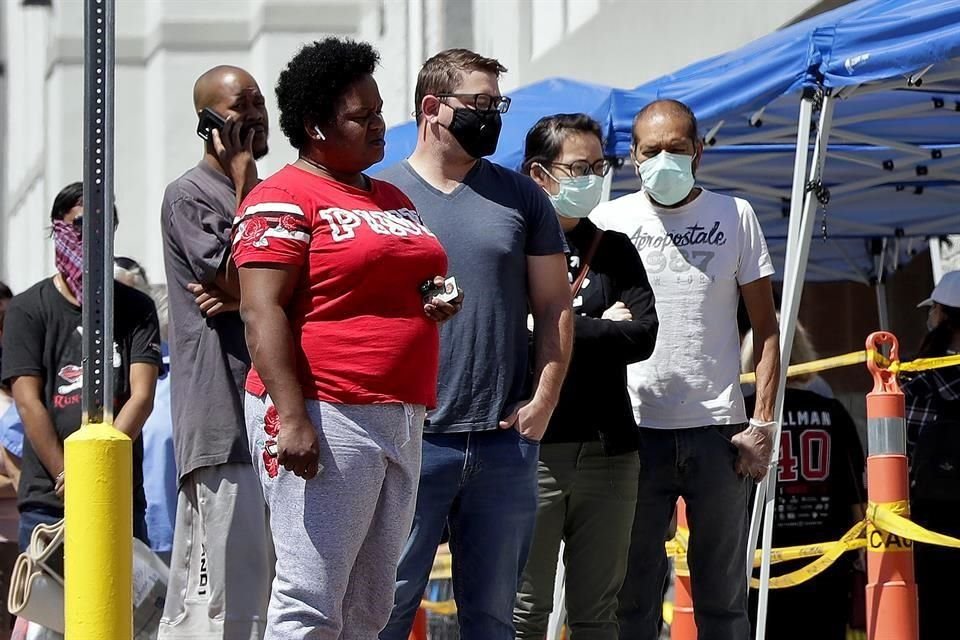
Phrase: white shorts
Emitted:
{"points": [[222, 563]]}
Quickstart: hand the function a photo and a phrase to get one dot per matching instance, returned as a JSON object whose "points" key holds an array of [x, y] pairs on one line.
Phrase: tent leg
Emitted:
{"points": [[796, 203], [558, 616], [936, 260], [883, 310], [788, 323]]}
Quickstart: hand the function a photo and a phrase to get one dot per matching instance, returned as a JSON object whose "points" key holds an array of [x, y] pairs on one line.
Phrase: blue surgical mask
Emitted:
{"points": [[577, 196], [667, 177]]}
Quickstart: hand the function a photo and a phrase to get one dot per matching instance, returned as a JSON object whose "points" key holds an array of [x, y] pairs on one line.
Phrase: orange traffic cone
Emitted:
{"points": [[419, 630], [891, 589], [683, 626]]}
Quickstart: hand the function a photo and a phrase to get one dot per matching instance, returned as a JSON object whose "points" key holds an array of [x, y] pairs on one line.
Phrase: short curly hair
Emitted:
{"points": [[315, 78]]}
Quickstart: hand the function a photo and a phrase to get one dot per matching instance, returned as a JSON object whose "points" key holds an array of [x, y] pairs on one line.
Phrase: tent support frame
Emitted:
{"points": [[802, 217]]}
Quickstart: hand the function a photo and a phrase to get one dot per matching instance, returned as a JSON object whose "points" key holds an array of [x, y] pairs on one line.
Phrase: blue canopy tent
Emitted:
{"points": [[876, 80]]}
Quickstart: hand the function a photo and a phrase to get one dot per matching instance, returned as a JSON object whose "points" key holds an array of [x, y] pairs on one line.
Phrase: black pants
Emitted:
{"points": [[937, 569]]}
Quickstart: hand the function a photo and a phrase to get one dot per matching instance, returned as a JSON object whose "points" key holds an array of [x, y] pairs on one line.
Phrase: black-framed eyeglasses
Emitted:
{"points": [[481, 101], [582, 168]]}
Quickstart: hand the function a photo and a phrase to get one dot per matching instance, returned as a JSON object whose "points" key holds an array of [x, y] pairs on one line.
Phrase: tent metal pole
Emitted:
{"points": [[936, 260], [880, 288], [796, 203], [799, 179], [883, 310], [558, 616], [799, 252]]}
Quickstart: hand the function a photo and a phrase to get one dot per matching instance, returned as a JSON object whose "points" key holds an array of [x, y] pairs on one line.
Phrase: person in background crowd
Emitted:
{"points": [[482, 441], [820, 495], [6, 398], [159, 464], [933, 442], [221, 563], [588, 468], [42, 362], [9, 477], [702, 251], [345, 349]]}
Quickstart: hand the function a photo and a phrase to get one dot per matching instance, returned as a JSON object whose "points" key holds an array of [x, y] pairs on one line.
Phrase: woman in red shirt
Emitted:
{"points": [[345, 349]]}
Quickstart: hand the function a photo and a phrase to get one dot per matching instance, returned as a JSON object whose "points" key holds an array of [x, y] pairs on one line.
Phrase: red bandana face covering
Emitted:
{"points": [[68, 245]]}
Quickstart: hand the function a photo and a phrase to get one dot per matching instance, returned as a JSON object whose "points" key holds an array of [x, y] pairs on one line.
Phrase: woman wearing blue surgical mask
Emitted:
{"points": [[589, 467]]}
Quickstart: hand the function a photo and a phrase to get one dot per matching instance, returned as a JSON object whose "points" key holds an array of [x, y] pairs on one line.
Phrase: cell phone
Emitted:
{"points": [[209, 120], [271, 449], [448, 292]]}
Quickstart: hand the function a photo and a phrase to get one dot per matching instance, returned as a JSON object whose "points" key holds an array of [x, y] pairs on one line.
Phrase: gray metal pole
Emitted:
{"points": [[98, 218]]}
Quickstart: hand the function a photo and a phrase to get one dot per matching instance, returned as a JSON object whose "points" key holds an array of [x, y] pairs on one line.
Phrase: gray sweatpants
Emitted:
{"points": [[338, 537]]}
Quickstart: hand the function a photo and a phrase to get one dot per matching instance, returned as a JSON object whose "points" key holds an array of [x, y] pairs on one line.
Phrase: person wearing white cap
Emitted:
{"points": [[933, 443]]}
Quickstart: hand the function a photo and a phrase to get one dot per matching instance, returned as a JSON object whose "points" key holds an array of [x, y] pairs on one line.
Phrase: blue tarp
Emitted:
{"points": [[893, 168]]}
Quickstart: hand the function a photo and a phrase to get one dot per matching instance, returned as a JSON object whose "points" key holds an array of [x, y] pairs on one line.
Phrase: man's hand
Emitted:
{"points": [[530, 420], [755, 444], [212, 300], [235, 154], [298, 449], [618, 313], [58, 486], [438, 310]]}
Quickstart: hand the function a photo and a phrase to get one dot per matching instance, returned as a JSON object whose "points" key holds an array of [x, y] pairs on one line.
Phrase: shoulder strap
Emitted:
{"points": [[575, 287]]}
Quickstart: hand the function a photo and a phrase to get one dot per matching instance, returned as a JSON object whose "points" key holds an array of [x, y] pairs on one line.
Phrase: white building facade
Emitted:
{"points": [[163, 45]]}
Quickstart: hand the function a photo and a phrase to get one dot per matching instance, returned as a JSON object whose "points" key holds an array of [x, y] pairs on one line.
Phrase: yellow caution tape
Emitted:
{"points": [[831, 553], [859, 357], [445, 608], [923, 364], [826, 553], [888, 518], [886, 530], [442, 566], [815, 366]]}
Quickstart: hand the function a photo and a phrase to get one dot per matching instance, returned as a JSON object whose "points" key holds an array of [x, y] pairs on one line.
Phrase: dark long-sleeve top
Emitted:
{"points": [[594, 402]]}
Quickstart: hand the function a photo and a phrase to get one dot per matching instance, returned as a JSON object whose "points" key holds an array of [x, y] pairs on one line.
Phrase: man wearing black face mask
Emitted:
{"points": [[480, 446]]}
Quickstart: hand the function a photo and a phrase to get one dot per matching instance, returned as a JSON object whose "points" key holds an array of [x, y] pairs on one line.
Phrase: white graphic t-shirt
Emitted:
{"points": [[696, 256]]}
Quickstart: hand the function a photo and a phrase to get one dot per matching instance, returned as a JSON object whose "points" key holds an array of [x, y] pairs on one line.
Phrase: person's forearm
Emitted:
{"points": [[767, 364], [228, 280], [134, 415], [39, 429], [271, 350], [553, 343]]}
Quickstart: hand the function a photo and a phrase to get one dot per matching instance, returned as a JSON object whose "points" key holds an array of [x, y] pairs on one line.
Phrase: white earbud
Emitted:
{"points": [[320, 135]]}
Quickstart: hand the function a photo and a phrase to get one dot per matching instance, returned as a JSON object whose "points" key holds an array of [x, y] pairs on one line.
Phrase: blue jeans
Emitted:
{"points": [[697, 464], [483, 486]]}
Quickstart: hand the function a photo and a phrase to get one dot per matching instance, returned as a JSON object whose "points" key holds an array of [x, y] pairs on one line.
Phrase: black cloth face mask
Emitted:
{"points": [[477, 131]]}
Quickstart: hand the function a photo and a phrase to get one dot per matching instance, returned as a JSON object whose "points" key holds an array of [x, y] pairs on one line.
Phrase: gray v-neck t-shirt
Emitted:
{"points": [[488, 225], [208, 356]]}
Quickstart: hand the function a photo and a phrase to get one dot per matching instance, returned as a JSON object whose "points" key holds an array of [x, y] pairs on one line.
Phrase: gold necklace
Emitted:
{"points": [[363, 179], [315, 164]]}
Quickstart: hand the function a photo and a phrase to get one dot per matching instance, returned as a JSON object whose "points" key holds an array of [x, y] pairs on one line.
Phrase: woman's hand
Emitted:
{"points": [[298, 449], [438, 310], [618, 313]]}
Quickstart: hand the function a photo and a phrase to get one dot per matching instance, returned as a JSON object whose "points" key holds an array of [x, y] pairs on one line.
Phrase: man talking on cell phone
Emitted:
{"points": [[222, 560]]}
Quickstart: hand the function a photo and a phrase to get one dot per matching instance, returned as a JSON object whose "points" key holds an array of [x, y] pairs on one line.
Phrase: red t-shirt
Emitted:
{"points": [[360, 333]]}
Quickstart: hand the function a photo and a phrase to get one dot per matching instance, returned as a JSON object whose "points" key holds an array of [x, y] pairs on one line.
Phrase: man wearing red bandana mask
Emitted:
{"points": [[42, 361]]}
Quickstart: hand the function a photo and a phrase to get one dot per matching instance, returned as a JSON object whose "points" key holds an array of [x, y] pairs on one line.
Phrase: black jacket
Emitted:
{"points": [[594, 403]]}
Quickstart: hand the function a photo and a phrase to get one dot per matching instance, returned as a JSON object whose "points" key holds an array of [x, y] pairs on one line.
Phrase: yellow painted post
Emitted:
{"points": [[98, 542]]}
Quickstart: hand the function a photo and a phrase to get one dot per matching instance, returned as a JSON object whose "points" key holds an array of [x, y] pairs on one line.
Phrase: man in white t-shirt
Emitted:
{"points": [[702, 251]]}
